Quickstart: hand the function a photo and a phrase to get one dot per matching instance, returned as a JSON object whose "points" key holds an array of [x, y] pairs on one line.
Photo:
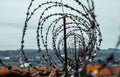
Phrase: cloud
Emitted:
{"points": [[12, 17]]}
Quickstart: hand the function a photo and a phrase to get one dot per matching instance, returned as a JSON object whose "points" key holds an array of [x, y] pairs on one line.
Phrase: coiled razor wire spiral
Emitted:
{"points": [[83, 32]]}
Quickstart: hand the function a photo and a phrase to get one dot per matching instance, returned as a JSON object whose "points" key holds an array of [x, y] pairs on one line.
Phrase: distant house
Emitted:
{"points": [[25, 65], [6, 58]]}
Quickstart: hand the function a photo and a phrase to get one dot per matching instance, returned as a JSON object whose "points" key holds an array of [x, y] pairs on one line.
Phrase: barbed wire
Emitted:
{"points": [[81, 24]]}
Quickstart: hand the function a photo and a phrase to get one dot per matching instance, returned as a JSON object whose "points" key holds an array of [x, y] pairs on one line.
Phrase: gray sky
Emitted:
{"points": [[12, 17]]}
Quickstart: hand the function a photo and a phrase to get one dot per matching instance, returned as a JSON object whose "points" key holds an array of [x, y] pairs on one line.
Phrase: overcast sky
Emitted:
{"points": [[12, 17]]}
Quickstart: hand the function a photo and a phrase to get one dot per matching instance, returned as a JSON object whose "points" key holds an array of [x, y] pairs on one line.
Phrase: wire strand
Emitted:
{"points": [[62, 6]]}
